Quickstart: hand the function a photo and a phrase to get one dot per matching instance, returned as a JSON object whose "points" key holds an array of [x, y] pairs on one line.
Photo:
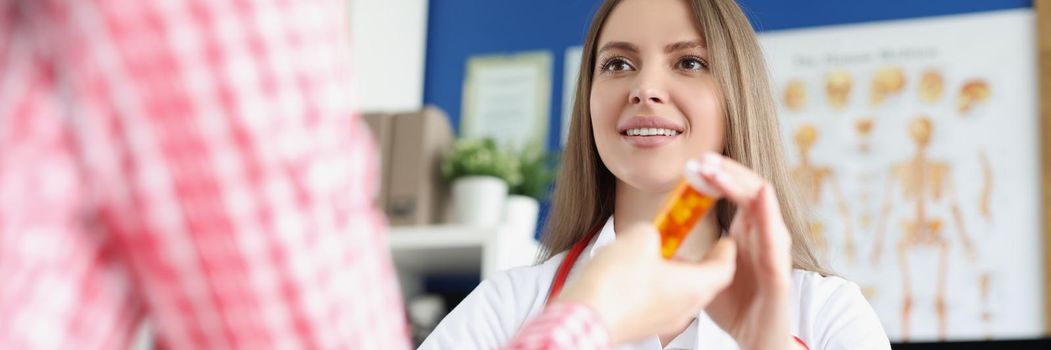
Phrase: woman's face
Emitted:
{"points": [[654, 103]]}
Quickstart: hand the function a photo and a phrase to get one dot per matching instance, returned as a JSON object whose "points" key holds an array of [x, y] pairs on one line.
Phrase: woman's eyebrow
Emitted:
{"points": [[621, 45], [684, 45]]}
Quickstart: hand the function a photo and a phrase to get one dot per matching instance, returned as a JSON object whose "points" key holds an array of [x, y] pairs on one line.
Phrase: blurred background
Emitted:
{"points": [[469, 101]]}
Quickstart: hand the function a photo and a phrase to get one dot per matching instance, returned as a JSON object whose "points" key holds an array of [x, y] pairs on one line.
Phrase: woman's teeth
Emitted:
{"points": [[651, 132]]}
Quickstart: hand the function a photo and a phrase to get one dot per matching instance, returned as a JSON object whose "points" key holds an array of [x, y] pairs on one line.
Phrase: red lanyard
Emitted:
{"points": [[568, 262]]}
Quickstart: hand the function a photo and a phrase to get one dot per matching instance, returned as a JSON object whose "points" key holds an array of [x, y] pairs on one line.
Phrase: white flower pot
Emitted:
{"points": [[521, 212], [479, 200]]}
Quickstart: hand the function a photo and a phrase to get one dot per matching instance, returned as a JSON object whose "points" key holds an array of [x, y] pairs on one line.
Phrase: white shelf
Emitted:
{"points": [[438, 236], [458, 249]]}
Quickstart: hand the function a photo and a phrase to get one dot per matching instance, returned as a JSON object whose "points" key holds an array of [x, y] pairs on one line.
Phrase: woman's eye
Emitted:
{"points": [[692, 63], [616, 65]]}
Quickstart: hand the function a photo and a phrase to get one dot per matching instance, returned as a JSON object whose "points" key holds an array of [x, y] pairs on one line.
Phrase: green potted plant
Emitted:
{"points": [[537, 170], [481, 174]]}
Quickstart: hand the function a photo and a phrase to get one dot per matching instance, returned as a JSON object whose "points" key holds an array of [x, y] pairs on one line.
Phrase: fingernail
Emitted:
{"points": [[693, 166], [722, 178], [707, 170], [695, 174], [711, 159]]}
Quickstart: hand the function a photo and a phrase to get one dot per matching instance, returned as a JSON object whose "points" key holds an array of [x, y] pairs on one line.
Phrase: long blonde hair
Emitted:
{"points": [[585, 191]]}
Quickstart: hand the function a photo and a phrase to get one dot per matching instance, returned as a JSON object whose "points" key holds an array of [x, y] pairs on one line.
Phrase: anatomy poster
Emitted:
{"points": [[915, 144]]}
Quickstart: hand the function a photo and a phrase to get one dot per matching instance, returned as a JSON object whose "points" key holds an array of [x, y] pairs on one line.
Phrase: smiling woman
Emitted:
{"points": [[689, 66], [663, 83]]}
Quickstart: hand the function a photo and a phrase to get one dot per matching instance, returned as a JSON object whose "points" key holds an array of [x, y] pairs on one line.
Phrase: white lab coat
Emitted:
{"points": [[829, 313]]}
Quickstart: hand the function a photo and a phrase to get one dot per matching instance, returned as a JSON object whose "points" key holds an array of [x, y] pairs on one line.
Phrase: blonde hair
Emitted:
{"points": [[585, 191]]}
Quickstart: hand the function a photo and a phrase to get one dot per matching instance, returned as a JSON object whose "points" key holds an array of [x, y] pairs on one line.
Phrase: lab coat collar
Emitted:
{"points": [[605, 237]]}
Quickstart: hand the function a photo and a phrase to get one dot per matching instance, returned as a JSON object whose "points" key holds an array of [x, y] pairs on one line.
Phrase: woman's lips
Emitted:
{"points": [[649, 131], [649, 141]]}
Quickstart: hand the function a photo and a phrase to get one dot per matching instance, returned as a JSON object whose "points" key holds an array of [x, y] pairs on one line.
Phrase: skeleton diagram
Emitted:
{"points": [[925, 184], [811, 179]]}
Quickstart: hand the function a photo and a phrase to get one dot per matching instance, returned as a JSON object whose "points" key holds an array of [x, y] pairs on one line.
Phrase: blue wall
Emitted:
{"points": [[458, 29]]}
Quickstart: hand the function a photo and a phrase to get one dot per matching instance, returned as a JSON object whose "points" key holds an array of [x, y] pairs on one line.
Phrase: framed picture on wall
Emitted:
{"points": [[917, 146], [507, 98]]}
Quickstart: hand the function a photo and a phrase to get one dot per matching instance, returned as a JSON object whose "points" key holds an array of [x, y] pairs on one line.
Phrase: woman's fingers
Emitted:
{"points": [[768, 208], [773, 238], [741, 228], [735, 181], [758, 225]]}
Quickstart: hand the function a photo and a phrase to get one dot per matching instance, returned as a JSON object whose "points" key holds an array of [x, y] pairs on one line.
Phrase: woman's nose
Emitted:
{"points": [[650, 95], [648, 92]]}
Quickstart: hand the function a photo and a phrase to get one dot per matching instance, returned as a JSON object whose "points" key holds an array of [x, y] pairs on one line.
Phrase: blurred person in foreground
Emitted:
{"points": [[199, 164]]}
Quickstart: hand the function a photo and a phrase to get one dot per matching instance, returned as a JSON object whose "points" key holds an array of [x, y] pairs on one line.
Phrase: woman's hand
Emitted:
{"points": [[755, 308], [638, 294]]}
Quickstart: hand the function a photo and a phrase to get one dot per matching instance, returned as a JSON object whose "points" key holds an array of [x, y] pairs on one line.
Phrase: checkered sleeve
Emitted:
{"points": [[195, 163], [563, 326]]}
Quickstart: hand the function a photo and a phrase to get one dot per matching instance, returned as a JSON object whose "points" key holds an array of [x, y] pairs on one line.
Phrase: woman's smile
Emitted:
{"points": [[649, 131]]}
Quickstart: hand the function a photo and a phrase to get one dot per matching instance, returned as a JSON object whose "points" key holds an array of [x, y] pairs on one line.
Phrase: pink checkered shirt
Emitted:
{"points": [[197, 163], [563, 326]]}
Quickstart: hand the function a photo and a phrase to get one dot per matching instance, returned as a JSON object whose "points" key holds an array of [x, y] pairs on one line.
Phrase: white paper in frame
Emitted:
{"points": [[507, 98]]}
